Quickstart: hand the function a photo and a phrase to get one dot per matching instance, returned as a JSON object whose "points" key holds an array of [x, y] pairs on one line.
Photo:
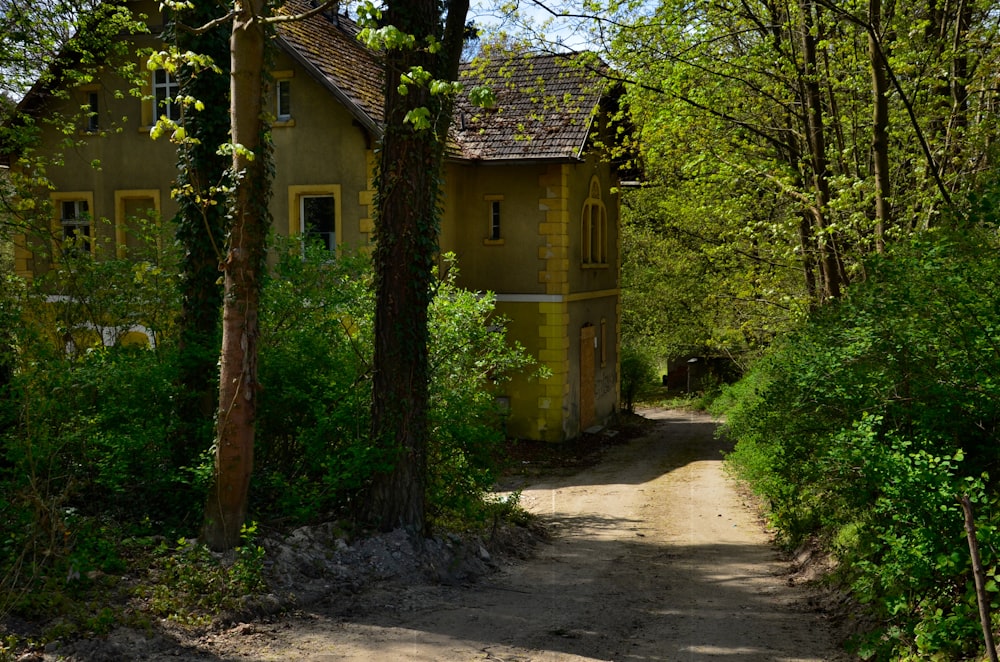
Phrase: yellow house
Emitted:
{"points": [[530, 202]]}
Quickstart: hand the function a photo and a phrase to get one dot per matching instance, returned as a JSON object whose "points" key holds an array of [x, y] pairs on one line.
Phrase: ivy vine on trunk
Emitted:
{"points": [[201, 224], [408, 183]]}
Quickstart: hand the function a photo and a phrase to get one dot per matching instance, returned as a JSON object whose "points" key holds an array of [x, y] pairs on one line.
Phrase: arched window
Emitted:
{"points": [[594, 227]]}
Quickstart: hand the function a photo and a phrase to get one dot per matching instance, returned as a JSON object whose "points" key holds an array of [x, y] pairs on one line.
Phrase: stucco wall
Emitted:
{"points": [[322, 145]]}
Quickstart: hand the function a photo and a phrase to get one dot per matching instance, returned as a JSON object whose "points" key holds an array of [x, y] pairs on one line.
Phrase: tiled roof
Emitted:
{"points": [[545, 103], [326, 44], [545, 107]]}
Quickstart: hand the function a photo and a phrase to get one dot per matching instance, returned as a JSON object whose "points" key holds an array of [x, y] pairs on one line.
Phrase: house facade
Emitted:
{"points": [[530, 205]]}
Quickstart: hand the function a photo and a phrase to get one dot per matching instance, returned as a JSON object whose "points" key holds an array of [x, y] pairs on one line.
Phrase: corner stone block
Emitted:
{"points": [[552, 230], [552, 252], [550, 308], [557, 342], [555, 360], [551, 331]]}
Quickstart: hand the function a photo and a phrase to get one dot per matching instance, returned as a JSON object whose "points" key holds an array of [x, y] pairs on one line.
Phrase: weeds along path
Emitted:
{"points": [[655, 556]]}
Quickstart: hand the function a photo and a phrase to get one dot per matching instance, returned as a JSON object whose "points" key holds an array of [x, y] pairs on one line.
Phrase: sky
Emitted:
{"points": [[532, 19]]}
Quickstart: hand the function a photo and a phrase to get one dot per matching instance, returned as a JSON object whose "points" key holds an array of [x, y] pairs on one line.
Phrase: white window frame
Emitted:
{"points": [[296, 215], [64, 227], [283, 99], [331, 242], [165, 96]]}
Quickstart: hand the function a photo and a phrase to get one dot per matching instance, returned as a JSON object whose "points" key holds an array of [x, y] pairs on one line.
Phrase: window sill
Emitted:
{"points": [[279, 124], [493, 242], [594, 265]]}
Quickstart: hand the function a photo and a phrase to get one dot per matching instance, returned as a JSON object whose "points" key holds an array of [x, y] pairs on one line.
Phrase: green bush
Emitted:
{"points": [[870, 421], [87, 430], [84, 427], [315, 363], [469, 356], [313, 455], [638, 375]]}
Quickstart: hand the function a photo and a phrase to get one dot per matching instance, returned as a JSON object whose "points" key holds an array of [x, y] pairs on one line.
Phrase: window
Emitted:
{"points": [[165, 94], [495, 219], [93, 123], [72, 222], [137, 218], [314, 213], [594, 228], [283, 100], [493, 227], [319, 219], [282, 97]]}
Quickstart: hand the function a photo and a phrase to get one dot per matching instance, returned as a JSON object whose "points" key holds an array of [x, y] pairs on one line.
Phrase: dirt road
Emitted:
{"points": [[655, 557]]}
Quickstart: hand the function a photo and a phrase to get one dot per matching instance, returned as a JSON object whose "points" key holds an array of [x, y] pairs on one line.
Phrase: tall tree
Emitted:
{"points": [[869, 118], [243, 268], [423, 48], [880, 124]]}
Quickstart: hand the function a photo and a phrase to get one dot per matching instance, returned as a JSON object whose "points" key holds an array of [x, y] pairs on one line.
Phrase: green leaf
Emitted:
{"points": [[420, 118]]}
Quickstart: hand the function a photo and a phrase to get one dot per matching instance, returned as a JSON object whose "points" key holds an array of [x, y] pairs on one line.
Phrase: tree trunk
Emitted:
{"points": [[829, 260], [406, 235], [226, 509], [880, 125]]}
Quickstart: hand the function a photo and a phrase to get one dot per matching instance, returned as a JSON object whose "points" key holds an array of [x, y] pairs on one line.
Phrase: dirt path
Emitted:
{"points": [[655, 557]]}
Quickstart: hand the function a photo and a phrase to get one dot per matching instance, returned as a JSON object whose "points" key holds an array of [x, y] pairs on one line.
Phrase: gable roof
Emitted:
{"points": [[545, 108], [326, 45], [545, 103]]}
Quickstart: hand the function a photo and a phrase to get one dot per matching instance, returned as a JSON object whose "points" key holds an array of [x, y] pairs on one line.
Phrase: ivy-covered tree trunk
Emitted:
{"points": [[408, 186], [201, 224], [226, 509]]}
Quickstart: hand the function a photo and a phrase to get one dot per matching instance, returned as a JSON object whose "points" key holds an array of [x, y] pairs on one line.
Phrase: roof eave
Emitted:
{"points": [[514, 159], [582, 150]]}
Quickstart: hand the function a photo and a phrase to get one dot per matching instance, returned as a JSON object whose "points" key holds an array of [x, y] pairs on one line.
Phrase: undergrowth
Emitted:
{"points": [[870, 422], [92, 492]]}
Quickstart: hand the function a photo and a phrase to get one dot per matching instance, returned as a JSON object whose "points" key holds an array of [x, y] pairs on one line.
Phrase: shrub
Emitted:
{"points": [[313, 455], [468, 357], [638, 375], [84, 426], [872, 419]]}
